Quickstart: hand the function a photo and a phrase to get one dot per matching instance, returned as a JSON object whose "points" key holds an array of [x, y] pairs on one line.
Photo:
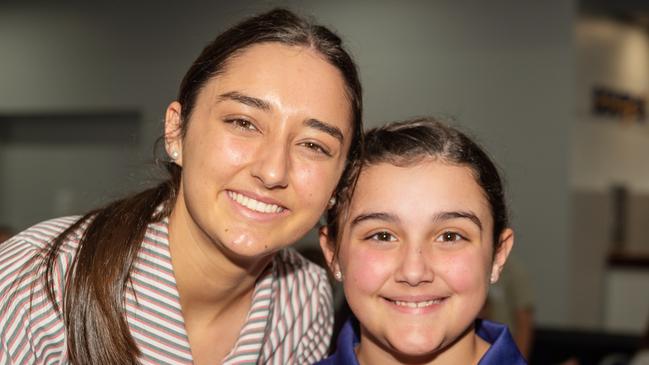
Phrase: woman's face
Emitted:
{"points": [[416, 256], [265, 146]]}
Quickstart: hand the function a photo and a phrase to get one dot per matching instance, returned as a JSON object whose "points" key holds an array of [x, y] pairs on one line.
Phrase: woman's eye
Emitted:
{"points": [[316, 148], [383, 236], [450, 237], [242, 124]]}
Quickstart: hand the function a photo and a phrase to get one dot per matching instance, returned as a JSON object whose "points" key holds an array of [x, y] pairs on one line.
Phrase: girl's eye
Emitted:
{"points": [[450, 236], [316, 148], [382, 236], [242, 124]]}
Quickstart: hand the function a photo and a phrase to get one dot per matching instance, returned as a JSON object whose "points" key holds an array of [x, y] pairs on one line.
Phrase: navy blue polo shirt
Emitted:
{"points": [[503, 350]]}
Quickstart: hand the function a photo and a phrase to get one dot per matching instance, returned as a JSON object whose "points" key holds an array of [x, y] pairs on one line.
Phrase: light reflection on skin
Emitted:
{"points": [[243, 240]]}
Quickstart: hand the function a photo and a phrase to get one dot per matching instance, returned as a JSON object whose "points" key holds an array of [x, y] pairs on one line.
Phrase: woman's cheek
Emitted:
{"points": [[314, 181], [237, 152]]}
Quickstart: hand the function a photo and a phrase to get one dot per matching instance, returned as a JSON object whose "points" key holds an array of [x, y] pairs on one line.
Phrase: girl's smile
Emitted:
{"points": [[416, 256]]}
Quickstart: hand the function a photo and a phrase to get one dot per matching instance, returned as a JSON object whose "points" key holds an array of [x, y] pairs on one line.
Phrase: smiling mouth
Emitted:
{"points": [[418, 304], [255, 205]]}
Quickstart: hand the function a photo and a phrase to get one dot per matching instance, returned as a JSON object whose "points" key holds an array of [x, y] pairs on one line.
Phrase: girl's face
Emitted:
{"points": [[416, 257], [265, 146]]}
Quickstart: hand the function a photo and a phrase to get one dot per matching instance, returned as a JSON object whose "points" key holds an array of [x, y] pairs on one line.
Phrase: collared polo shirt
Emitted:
{"points": [[502, 351]]}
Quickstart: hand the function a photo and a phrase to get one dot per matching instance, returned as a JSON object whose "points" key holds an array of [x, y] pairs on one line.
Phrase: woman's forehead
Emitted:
{"points": [[288, 77]]}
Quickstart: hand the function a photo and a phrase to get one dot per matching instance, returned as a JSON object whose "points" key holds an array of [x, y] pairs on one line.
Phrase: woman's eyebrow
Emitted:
{"points": [[381, 216], [442, 216], [266, 106], [330, 129], [246, 99]]}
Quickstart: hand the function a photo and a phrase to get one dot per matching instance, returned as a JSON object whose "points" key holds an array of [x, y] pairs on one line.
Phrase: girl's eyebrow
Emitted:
{"points": [[381, 216], [438, 217], [442, 216]]}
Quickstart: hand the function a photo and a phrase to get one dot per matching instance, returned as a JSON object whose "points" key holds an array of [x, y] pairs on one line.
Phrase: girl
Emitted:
{"points": [[195, 270], [416, 248]]}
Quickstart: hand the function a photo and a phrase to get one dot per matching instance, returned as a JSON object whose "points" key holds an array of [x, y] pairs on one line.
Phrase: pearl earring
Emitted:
{"points": [[493, 279], [332, 202], [338, 275], [174, 155]]}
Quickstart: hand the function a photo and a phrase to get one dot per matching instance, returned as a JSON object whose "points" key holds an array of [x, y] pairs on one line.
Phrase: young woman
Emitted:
{"points": [[195, 270], [416, 248]]}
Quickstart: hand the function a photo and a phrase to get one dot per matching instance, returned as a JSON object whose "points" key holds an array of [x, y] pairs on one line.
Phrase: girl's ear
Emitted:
{"points": [[328, 249], [173, 138], [506, 240]]}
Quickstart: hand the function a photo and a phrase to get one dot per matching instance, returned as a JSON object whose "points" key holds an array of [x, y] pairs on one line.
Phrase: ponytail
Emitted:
{"points": [[98, 277]]}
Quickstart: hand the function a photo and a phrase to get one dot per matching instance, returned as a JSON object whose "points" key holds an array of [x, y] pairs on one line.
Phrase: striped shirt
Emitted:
{"points": [[289, 322]]}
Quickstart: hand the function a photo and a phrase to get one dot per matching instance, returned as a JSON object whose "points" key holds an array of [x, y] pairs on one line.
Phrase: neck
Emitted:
{"points": [[467, 349], [211, 284]]}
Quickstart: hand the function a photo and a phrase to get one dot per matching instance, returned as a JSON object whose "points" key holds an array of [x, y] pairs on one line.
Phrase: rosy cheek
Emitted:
{"points": [[463, 272], [367, 270]]}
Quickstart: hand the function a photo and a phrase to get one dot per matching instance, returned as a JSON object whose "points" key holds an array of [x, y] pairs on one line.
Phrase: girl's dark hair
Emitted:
{"points": [[410, 142], [94, 297]]}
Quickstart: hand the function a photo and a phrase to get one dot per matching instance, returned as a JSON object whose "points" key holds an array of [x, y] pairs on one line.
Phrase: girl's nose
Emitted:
{"points": [[414, 267]]}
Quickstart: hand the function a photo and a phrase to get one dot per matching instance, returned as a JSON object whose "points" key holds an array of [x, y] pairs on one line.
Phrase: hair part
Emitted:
{"points": [[93, 306]]}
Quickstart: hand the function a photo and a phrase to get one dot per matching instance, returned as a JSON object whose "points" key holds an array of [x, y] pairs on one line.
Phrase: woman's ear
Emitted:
{"points": [[506, 240], [173, 135], [328, 249]]}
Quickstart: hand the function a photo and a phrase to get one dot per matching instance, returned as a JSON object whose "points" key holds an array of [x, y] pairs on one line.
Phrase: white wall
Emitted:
{"points": [[503, 69], [609, 151]]}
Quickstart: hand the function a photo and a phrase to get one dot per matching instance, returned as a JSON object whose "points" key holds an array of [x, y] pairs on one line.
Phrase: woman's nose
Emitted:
{"points": [[271, 164]]}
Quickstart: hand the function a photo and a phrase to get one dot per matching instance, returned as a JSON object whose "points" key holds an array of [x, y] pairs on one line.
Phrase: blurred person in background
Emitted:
{"points": [[511, 302]]}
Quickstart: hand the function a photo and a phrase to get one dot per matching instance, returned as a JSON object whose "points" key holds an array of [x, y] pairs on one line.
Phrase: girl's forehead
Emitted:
{"points": [[425, 187]]}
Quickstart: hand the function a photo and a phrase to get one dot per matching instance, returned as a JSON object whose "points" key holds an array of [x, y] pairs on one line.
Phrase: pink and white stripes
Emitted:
{"points": [[289, 322]]}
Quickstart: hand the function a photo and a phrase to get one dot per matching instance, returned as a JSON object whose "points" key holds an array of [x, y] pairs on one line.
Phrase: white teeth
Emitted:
{"points": [[253, 204], [418, 304]]}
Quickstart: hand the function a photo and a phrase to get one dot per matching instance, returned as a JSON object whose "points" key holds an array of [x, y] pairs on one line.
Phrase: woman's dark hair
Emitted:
{"points": [[94, 297], [410, 142]]}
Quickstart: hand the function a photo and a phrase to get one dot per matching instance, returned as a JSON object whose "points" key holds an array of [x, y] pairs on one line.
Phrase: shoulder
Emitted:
{"points": [[503, 349], [43, 234], [31, 323], [299, 309], [291, 264], [30, 243], [22, 255], [347, 341]]}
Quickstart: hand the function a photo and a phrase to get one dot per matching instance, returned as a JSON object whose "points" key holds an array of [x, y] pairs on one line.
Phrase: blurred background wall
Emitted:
{"points": [[83, 88]]}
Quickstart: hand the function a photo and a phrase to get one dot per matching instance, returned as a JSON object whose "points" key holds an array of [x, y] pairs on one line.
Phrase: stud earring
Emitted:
{"points": [[338, 275], [174, 155], [332, 202], [493, 279]]}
